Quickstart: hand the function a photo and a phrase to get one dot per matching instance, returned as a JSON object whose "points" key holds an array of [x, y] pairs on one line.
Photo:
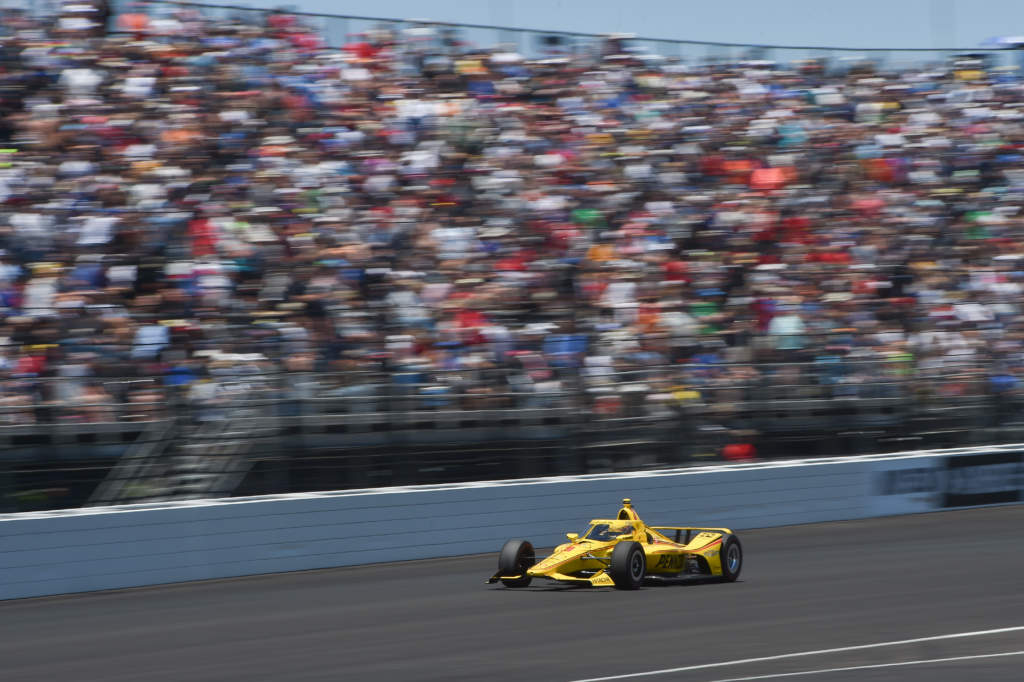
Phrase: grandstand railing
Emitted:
{"points": [[428, 36], [369, 390]]}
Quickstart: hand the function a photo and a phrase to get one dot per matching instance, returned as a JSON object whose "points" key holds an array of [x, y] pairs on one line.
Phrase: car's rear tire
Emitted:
{"points": [[628, 565], [516, 556], [732, 558]]}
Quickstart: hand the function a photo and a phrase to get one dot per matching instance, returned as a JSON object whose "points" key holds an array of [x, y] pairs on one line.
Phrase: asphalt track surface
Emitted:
{"points": [[803, 589]]}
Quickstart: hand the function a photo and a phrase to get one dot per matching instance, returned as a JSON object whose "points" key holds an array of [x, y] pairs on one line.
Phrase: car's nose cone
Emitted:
{"points": [[558, 559]]}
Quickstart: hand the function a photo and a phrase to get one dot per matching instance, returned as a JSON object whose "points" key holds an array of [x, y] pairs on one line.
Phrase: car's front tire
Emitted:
{"points": [[628, 565], [515, 558], [732, 558]]}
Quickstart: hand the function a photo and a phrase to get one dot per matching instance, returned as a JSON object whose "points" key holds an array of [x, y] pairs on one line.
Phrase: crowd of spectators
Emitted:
{"points": [[181, 196]]}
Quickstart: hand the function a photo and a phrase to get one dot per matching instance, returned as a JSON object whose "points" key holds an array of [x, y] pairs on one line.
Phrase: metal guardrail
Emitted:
{"points": [[28, 401]]}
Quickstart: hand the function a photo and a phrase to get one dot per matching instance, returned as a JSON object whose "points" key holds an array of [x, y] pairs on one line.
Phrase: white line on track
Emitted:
{"points": [[868, 667], [798, 654]]}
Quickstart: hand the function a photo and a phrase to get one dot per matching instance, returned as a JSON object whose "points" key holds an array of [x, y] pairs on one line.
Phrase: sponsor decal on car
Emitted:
{"points": [[671, 561]]}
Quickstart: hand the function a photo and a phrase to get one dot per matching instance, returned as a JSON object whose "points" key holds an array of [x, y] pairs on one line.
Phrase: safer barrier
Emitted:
{"points": [[114, 547]]}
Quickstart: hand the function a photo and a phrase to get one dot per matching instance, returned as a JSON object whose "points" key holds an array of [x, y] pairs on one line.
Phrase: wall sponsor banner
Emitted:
{"points": [[971, 480], [906, 486], [923, 484]]}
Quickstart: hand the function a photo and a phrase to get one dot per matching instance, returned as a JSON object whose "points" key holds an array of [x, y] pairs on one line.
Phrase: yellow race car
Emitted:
{"points": [[622, 552]]}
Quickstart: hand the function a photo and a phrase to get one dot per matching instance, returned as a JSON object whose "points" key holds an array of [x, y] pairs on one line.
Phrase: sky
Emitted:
{"points": [[840, 23]]}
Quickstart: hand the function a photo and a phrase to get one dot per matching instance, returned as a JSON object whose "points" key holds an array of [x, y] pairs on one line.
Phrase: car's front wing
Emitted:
{"points": [[599, 579]]}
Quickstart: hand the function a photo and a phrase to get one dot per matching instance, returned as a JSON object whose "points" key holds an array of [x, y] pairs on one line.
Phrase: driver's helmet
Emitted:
{"points": [[621, 529]]}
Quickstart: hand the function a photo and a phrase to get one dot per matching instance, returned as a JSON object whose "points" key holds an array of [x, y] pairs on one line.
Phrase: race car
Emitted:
{"points": [[622, 552]]}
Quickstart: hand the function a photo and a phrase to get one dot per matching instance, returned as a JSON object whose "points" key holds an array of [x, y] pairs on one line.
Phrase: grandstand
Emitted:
{"points": [[250, 251]]}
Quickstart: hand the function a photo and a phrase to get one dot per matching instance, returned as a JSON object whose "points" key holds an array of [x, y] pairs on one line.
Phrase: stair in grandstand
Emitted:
{"points": [[207, 460], [211, 462], [138, 474]]}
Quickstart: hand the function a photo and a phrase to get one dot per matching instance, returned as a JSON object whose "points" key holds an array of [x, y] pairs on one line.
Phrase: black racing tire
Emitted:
{"points": [[628, 565], [732, 558], [516, 556]]}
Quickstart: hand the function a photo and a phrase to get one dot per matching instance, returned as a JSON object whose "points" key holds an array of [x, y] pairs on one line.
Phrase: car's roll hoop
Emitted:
{"points": [[627, 513]]}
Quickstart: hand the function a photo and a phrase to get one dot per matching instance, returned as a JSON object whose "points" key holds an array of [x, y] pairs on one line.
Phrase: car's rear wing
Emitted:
{"points": [[676, 533]]}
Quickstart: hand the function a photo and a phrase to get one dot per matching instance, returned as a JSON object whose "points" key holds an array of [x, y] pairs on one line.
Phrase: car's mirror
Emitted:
{"points": [[573, 537]]}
